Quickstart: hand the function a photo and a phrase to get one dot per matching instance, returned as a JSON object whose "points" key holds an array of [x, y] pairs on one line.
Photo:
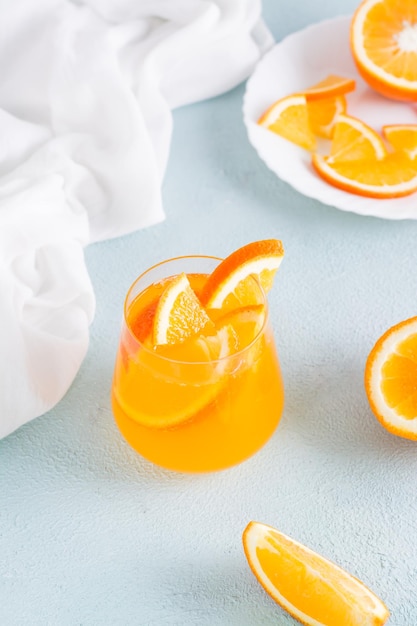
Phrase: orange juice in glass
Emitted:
{"points": [[204, 402]]}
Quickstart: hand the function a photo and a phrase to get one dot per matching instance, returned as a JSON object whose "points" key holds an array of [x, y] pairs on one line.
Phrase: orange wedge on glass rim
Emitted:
{"points": [[235, 281], [383, 40], [402, 137], [391, 379], [311, 588]]}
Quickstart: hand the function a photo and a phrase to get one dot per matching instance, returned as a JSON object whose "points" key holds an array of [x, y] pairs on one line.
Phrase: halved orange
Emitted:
{"points": [[235, 281], [402, 137], [330, 87], [311, 588], [354, 140], [288, 117], [391, 379], [383, 41], [391, 177], [178, 314]]}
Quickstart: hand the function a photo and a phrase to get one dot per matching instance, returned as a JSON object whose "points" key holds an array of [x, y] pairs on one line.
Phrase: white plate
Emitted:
{"points": [[301, 60]]}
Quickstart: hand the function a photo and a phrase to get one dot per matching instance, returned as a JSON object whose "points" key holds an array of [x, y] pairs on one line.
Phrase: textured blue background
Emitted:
{"points": [[90, 533]]}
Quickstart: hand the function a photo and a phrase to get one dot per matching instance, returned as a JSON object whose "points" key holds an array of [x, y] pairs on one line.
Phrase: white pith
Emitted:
{"points": [[407, 38], [402, 38], [378, 190], [388, 347], [256, 537], [243, 271], [285, 103]]}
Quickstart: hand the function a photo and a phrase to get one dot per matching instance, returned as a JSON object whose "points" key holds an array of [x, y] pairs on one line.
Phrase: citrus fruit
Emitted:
{"points": [[178, 314], [288, 117], [391, 177], [314, 590], [391, 379], [354, 140], [383, 41], [402, 137], [322, 115], [247, 321], [330, 87], [235, 281]]}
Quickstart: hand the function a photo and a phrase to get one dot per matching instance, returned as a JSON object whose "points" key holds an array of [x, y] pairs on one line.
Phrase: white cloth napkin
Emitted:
{"points": [[86, 93]]}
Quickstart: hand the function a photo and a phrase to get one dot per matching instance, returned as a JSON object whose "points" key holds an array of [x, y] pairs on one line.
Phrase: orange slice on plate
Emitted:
{"points": [[312, 589], [288, 117], [354, 140], [323, 114], [178, 314], [235, 281], [394, 176], [383, 41], [402, 137], [330, 87], [391, 379]]}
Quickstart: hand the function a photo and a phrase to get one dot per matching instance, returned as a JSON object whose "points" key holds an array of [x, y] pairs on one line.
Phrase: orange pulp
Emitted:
{"points": [[221, 411]]}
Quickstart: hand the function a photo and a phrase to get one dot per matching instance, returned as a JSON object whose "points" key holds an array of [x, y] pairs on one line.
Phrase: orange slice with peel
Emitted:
{"points": [[383, 40], [178, 314], [247, 322], [394, 176], [354, 140], [324, 113], [201, 365], [288, 117], [391, 379], [330, 87], [402, 137], [232, 285], [311, 588]]}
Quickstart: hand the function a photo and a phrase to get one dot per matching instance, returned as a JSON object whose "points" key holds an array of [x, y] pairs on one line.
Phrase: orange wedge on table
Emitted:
{"points": [[312, 589], [235, 281], [391, 379], [402, 137], [383, 41]]}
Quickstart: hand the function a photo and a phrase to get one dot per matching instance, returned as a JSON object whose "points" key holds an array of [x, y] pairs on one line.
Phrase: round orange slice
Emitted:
{"points": [[232, 285], [392, 177], [391, 379], [178, 314], [311, 588], [288, 117], [402, 137], [354, 140], [383, 41], [330, 87]]}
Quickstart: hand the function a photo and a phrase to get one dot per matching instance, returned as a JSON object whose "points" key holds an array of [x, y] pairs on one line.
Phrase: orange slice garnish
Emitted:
{"points": [[311, 588], [330, 87], [178, 314], [235, 281], [247, 322], [288, 117], [391, 379], [353, 140], [383, 41], [402, 137]]}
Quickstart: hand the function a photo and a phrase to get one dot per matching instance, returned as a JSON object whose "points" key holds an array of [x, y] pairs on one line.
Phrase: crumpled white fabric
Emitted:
{"points": [[86, 93]]}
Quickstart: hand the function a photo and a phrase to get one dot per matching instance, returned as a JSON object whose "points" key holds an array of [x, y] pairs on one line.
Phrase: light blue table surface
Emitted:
{"points": [[91, 534]]}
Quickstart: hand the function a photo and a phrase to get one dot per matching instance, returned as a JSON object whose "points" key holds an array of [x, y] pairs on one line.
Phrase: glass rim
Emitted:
{"points": [[177, 361]]}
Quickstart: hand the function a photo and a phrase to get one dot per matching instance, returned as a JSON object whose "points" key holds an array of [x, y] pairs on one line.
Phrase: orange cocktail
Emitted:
{"points": [[201, 403]]}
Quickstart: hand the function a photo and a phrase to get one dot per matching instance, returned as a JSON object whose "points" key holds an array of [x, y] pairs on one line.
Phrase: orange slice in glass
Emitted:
{"points": [[235, 281], [312, 589], [391, 379], [178, 314]]}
